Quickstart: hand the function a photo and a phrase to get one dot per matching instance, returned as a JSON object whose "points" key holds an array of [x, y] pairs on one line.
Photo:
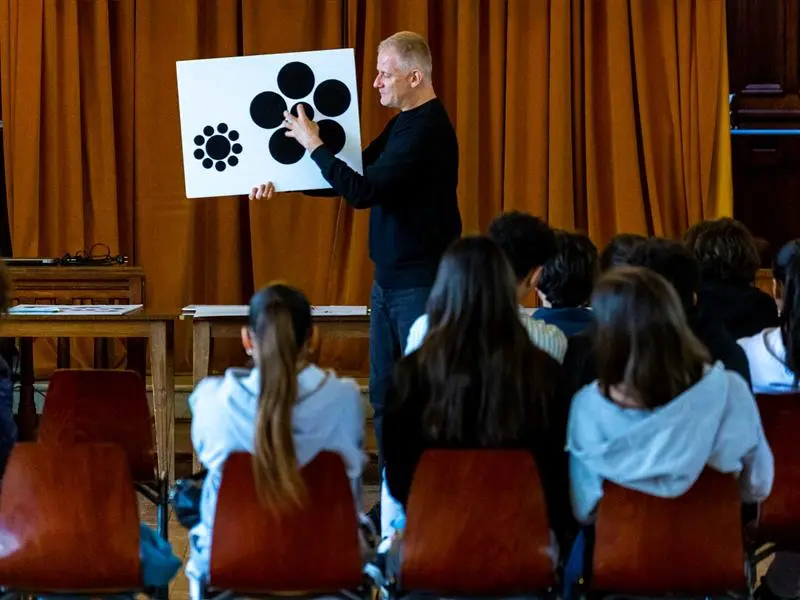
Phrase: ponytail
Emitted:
{"points": [[277, 477], [790, 315]]}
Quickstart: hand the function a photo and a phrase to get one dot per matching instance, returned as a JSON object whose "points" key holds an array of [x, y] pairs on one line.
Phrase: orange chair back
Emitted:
{"points": [[476, 524], [310, 549], [779, 518], [101, 406], [68, 520], [692, 544]]}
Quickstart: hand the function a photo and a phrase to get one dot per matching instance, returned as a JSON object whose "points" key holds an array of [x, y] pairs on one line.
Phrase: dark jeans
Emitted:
{"points": [[8, 426], [393, 312]]}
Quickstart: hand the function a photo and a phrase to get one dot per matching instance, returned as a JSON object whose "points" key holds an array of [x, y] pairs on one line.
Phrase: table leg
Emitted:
{"points": [[201, 363], [137, 356], [101, 353], [162, 369], [26, 413], [62, 353]]}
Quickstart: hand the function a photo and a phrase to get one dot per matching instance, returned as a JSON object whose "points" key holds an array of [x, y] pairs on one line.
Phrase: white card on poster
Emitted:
{"points": [[231, 118]]}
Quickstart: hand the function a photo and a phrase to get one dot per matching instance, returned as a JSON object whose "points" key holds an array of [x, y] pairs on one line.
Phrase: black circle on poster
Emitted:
{"points": [[222, 128], [220, 166], [332, 135], [218, 147], [208, 163], [285, 150], [198, 140], [296, 80], [332, 98], [237, 148], [233, 135], [309, 110], [267, 109], [198, 154], [208, 130], [233, 161]]}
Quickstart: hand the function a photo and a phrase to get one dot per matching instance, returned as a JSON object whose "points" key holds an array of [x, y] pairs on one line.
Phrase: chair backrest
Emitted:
{"points": [[691, 544], [314, 548], [476, 524], [779, 518], [69, 520], [102, 406]]}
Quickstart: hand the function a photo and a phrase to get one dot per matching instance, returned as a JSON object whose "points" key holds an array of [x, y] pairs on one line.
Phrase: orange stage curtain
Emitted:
{"points": [[602, 116]]}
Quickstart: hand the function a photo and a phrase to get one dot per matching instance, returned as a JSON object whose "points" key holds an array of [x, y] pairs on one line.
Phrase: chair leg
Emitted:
{"points": [[163, 509], [161, 593]]}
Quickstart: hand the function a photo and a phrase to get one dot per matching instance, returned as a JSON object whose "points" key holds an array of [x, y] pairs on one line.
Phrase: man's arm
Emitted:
{"points": [[382, 178], [368, 156]]}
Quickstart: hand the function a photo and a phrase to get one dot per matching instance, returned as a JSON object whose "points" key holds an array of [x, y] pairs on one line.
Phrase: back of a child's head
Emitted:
{"points": [[674, 262], [527, 241], [568, 277], [617, 251], [280, 327], [503, 375], [726, 252], [642, 341]]}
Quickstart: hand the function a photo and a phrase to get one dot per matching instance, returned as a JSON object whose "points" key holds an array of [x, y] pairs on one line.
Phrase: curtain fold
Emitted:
{"points": [[600, 116]]}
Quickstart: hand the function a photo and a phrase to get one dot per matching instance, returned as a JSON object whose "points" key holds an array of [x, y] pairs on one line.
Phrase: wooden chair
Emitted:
{"points": [[68, 521], [107, 406], [690, 545], [476, 525], [308, 551], [779, 515]]}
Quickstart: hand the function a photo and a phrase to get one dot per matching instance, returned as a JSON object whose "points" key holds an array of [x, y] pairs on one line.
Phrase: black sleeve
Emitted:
{"points": [[737, 361], [552, 458], [390, 172], [767, 311], [368, 156], [402, 442]]}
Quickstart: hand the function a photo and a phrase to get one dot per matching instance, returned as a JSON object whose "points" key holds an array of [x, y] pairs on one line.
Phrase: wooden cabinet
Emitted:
{"points": [[763, 47], [766, 183], [764, 77]]}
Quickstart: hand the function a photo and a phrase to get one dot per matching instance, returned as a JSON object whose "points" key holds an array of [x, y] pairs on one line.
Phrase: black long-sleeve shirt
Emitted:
{"points": [[409, 182]]}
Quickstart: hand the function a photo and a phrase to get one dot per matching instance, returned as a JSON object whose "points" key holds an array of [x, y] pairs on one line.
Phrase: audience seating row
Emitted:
{"points": [[476, 520]]}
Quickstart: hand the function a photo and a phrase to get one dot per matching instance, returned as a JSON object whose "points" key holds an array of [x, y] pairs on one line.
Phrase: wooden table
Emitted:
{"points": [[158, 328], [205, 329], [112, 284]]}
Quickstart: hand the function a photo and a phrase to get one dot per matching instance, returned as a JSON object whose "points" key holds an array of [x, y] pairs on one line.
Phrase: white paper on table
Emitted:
{"points": [[74, 309], [210, 311]]}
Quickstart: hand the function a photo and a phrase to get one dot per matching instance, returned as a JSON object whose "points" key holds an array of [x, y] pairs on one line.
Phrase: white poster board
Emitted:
{"points": [[231, 113]]}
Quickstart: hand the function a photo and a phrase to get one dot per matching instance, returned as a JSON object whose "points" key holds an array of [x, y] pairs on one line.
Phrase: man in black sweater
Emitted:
{"points": [[409, 183]]}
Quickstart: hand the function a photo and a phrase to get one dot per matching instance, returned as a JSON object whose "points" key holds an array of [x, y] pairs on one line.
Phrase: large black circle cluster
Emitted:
{"points": [[296, 81]]}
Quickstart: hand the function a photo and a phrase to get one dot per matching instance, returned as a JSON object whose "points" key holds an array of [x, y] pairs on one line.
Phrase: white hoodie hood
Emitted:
{"points": [[663, 451]]}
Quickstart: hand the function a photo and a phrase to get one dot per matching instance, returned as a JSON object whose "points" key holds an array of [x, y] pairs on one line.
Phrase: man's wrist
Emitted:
{"points": [[314, 144]]}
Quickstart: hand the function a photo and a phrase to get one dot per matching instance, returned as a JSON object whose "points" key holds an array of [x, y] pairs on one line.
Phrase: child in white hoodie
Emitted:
{"points": [[284, 412], [774, 354], [658, 412]]}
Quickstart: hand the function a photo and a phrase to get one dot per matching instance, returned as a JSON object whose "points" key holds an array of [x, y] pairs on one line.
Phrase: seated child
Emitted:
{"points": [[660, 410], [528, 243], [284, 412]]}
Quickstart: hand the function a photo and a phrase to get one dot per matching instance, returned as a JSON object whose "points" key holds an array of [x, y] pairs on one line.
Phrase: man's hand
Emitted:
{"points": [[265, 190], [301, 128]]}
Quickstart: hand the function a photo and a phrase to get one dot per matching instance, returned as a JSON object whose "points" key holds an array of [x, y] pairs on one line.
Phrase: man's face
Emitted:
{"points": [[393, 85]]}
